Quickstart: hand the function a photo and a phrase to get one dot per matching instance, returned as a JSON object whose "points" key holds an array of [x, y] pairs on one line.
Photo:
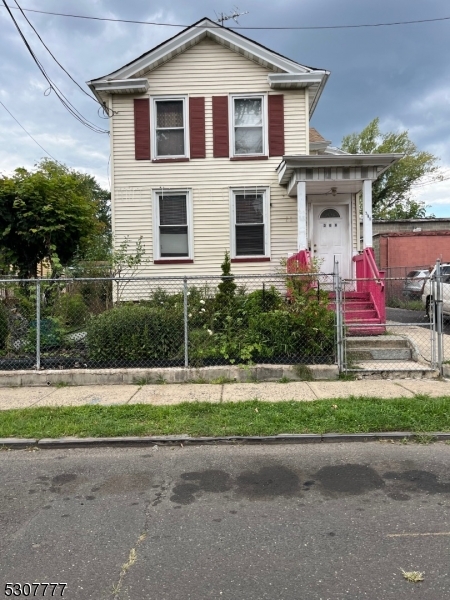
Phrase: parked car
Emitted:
{"points": [[427, 292], [413, 284]]}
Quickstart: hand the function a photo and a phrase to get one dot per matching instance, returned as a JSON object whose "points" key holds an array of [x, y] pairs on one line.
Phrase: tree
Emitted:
{"points": [[51, 213], [393, 192]]}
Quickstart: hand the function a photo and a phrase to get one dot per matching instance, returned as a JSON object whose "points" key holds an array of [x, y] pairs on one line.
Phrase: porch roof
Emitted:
{"points": [[343, 168]]}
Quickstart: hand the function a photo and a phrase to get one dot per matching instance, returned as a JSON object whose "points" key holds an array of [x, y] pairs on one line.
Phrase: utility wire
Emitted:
{"points": [[52, 55], [52, 86], [29, 134], [389, 24]]}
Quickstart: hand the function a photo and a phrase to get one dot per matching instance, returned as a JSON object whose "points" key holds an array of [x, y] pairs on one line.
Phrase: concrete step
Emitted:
{"points": [[401, 370], [352, 296], [379, 354], [386, 341]]}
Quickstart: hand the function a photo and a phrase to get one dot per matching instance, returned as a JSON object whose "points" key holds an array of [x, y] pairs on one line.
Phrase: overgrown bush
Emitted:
{"points": [[3, 326], [71, 310], [133, 333]]}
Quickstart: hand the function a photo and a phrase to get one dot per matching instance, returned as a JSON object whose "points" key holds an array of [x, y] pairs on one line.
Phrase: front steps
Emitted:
{"points": [[359, 311], [386, 357]]}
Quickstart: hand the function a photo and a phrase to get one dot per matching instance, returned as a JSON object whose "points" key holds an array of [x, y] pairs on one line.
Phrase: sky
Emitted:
{"points": [[400, 74]]}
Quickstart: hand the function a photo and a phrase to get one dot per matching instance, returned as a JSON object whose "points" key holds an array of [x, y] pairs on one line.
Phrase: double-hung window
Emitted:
{"points": [[248, 125], [169, 126], [173, 225], [250, 225]]}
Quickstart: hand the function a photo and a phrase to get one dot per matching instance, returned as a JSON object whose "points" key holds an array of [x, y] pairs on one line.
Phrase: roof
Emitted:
{"points": [[427, 233], [286, 73], [314, 136]]}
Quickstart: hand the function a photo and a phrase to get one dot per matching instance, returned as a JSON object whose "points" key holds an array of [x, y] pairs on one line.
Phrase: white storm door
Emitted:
{"points": [[331, 238]]}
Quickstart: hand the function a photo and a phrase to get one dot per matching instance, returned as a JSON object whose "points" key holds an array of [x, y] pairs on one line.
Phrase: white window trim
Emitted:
{"points": [[156, 193], [266, 215], [265, 125], [154, 100]]}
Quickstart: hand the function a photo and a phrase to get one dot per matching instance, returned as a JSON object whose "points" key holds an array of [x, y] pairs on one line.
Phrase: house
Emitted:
{"points": [[212, 150]]}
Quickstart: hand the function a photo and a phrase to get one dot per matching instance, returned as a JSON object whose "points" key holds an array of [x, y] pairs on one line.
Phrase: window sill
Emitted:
{"points": [[251, 259], [173, 261], [169, 160], [249, 158]]}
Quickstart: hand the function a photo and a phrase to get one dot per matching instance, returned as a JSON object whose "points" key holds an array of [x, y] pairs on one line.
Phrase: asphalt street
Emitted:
{"points": [[292, 522]]}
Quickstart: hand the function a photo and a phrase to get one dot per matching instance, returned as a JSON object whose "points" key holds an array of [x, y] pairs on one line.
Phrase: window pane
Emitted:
{"points": [[330, 213], [249, 240], [248, 140], [248, 111], [170, 142], [249, 209], [174, 241], [172, 210], [169, 113]]}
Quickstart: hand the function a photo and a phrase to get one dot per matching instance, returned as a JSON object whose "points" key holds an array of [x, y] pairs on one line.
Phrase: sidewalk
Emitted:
{"points": [[169, 394]]}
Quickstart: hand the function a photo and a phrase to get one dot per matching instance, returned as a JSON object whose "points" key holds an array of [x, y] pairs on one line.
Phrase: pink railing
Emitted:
{"points": [[299, 262], [370, 279]]}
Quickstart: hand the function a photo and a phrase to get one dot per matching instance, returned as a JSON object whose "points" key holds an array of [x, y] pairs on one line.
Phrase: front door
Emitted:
{"points": [[330, 239]]}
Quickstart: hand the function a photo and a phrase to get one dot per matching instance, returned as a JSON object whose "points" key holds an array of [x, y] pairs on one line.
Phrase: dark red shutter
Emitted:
{"points": [[142, 129], [220, 127], [276, 125], [197, 127]]}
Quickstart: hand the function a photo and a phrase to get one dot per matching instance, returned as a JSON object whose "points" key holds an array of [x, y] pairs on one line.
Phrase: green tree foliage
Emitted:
{"points": [[393, 192], [50, 213], [227, 287]]}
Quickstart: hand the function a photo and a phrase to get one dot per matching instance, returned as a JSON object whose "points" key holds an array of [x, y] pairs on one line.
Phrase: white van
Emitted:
{"points": [[427, 291]]}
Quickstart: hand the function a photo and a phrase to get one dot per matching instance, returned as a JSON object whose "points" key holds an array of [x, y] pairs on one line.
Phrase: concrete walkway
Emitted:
{"points": [[26, 397]]}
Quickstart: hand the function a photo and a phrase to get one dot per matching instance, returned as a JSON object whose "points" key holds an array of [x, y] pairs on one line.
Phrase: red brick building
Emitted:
{"points": [[405, 244]]}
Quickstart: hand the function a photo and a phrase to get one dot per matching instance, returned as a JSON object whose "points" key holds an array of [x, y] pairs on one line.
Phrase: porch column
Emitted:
{"points": [[367, 213], [301, 216]]}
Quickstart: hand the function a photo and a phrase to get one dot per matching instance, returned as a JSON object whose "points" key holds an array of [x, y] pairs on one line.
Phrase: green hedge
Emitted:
{"points": [[136, 332]]}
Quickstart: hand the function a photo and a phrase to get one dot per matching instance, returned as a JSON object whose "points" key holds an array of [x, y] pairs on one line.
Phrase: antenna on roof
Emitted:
{"points": [[222, 17]]}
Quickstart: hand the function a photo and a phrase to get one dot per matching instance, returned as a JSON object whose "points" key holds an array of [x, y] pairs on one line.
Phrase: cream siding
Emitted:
{"points": [[207, 69]]}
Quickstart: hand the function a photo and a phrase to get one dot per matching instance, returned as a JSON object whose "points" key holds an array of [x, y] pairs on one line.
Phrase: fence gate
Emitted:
{"points": [[407, 339]]}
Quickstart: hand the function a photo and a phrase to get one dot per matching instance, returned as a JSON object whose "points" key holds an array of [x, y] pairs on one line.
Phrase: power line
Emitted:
{"points": [[29, 134], [52, 86], [52, 55], [311, 27]]}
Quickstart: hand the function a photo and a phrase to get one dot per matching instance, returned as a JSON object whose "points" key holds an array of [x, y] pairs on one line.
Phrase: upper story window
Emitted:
{"points": [[169, 126], [248, 125]]}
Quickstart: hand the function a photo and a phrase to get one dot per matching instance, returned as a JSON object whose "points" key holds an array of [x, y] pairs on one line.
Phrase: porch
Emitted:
{"points": [[331, 190]]}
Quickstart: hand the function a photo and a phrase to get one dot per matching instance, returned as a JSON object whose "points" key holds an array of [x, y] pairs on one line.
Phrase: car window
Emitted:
{"points": [[413, 274], [445, 270]]}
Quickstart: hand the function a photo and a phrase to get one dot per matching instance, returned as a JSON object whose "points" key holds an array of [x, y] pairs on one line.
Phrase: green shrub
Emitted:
{"points": [[135, 332], [3, 326], [263, 300], [71, 310]]}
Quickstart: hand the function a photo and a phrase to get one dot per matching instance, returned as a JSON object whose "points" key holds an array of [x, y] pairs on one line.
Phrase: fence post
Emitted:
{"points": [[186, 328], [439, 316], [38, 325], [338, 319]]}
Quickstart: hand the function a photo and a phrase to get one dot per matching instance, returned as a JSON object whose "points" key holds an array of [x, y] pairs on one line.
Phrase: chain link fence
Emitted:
{"points": [[377, 335], [166, 322]]}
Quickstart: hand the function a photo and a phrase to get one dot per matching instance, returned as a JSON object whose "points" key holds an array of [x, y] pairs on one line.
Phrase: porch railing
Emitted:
{"points": [[370, 280]]}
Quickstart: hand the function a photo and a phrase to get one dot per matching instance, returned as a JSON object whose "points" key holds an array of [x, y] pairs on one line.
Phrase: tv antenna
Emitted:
{"points": [[222, 17]]}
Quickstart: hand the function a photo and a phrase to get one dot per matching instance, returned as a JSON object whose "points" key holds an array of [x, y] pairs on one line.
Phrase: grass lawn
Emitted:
{"points": [[352, 415]]}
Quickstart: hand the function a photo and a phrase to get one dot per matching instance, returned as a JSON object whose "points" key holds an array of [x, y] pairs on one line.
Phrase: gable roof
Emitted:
{"points": [[286, 72]]}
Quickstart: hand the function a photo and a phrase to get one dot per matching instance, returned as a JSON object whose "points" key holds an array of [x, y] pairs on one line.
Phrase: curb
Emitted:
{"points": [[182, 440]]}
